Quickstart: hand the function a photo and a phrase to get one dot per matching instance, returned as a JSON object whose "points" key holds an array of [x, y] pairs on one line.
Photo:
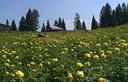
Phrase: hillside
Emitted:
{"points": [[77, 56]]}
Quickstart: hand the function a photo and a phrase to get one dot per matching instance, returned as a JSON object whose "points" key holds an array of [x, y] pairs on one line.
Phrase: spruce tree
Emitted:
{"points": [[48, 28], [63, 25], [22, 24], [29, 20], [43, 28], [7, 22], [106, 16], [55, 23], [77, 22], [119, 14], [94, 23], [35, 18], [78, 25], [114, 18], [59, 22], [13, 26], [83, 25], [124, 13]]}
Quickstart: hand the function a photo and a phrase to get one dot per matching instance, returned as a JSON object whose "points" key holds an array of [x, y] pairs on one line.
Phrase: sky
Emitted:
{"points": [[53, 9]]}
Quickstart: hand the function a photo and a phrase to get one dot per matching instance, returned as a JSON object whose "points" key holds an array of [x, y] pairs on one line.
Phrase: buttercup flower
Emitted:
{"points": [[19, 74]]}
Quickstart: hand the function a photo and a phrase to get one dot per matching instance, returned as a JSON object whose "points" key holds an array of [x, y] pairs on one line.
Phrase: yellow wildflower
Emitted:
{"points": [[19, 74], [80, 74], [80, 65], [70, 76]]}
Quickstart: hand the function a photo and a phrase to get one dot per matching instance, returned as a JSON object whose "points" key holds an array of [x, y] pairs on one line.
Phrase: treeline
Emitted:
{"points": [[30, 22], [112, 17], [108, 18]]}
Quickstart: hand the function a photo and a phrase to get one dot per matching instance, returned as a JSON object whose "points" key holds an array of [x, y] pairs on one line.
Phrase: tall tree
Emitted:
{"points": [[124, 13], [43, 28], [48, 28], [59, 22], [29, 20], [114, 18], [77, 22], [119, 14], [83, 25], [22, 24], [7, 22], [35, 18], [13, 26], [63, 25], [106, 16], [55, 23], [94, 23]]}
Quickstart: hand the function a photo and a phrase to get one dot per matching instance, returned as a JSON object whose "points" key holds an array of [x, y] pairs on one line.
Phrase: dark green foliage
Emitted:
{"points": [[116, 17], [55, 23], [43, 28], [124, 13], [78, 25], [35, 20], [77, 22], [22, 24], [59, 22], [29, 19], [106, 16], [32, 20], [63, 25], [7, 22], [83, 25], [118, 14], [48, 28], [13, 26], [94, 23]]}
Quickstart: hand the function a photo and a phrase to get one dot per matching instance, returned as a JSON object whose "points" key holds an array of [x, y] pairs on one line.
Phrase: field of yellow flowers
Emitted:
{"points": [[76, 56]]}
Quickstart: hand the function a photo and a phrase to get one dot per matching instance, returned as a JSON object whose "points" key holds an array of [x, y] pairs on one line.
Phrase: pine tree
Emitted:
{"points": [[48, 28], [59, 23], [94, 23], [78, 25], [13, 26], [29, 20], [43, 28], [114, 18], [77, 22], [83, 25], [106, 16], [35, 18], [7, 22], [55, 23], [63, 25], [22, 24], [124, 13], [118, 14]]}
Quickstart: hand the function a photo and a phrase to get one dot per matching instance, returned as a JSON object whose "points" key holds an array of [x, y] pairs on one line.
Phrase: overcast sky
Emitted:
{"points": [[53, 9]]}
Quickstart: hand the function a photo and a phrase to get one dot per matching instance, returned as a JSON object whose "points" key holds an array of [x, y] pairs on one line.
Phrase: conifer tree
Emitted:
{"points": [[55, 23], [63, 25], [94, 23], [77, 22], [13, 26], [7, 22], [43, 28], [106, 16], [48, 28], [22, 24], [29, 20], [83, 25]]}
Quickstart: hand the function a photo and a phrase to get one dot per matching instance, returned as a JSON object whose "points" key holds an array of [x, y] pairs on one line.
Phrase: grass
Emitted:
{"points": [[77, 56]]}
